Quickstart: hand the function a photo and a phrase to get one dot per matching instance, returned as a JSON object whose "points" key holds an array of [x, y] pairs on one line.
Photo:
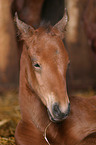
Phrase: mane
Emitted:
{"points": [[46, 25]]}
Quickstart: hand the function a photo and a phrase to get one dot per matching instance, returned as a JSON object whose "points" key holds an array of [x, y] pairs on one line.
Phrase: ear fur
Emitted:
{"points": [[23, 28], [61, 25]]}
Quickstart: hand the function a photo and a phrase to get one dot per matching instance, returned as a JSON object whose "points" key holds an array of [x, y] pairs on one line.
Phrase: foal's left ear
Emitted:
{"points": [[61, 25], [24, 29]]}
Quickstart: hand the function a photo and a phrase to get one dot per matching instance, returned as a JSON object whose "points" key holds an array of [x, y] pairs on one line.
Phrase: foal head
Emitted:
{"points": [[48, 62]]}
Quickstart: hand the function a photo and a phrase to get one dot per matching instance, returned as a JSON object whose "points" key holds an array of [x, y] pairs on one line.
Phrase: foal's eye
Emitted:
{"points": [[37, 65]]}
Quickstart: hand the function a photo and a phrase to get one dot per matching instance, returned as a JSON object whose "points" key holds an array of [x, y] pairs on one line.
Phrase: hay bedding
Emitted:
{"points": [[10, 115]]}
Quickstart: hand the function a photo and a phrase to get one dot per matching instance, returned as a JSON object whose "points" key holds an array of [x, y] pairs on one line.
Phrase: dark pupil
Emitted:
{"points": [[37, 65]]}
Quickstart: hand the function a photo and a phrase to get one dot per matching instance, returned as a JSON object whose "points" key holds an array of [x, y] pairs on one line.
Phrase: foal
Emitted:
{"points": [[43, 98]]}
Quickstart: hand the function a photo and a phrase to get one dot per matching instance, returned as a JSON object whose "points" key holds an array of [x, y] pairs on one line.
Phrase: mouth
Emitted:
{"points": [[55, 120]]}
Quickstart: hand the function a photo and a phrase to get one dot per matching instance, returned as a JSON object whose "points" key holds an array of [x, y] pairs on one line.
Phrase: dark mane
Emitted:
{"points": [[46, 25]]}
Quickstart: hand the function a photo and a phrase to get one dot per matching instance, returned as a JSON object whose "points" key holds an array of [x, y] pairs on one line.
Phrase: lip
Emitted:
{"points": [[55, 120]]}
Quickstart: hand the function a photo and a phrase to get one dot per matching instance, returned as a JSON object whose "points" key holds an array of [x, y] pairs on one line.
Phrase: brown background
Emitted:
{"points": [[80, 40]]}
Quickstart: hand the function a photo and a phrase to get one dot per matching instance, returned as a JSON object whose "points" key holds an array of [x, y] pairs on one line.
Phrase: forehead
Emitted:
{"points": [[47, 46]]}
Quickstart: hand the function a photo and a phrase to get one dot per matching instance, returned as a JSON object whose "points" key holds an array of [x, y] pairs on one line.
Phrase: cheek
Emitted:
{"points": [[44, 85], [43, 88], [39, 79]]}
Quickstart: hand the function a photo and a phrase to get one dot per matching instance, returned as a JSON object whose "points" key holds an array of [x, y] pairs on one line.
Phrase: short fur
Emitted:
{"points": [[41, 87]]}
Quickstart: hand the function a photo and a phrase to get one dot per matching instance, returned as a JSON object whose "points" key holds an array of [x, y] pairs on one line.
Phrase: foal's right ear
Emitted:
{"points": [[24, 29]]}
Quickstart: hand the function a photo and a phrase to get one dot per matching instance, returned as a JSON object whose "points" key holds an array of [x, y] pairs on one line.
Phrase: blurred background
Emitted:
{"points": [[80, 42]]}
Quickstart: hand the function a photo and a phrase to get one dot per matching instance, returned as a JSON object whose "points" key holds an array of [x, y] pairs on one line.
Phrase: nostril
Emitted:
{"points": [[57, 112]]}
